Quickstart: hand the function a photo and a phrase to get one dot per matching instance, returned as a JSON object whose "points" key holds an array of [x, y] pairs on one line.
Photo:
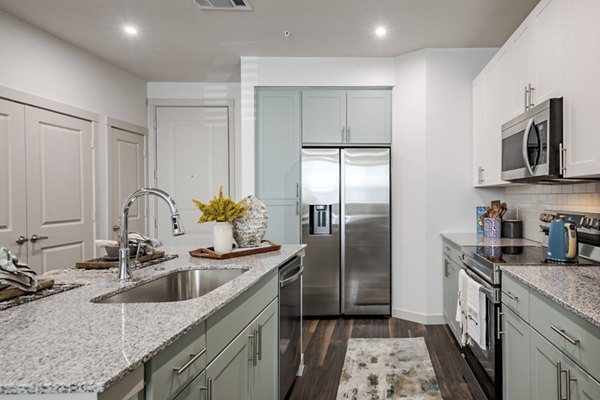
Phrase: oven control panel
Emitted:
{"points": [[588, 224]]}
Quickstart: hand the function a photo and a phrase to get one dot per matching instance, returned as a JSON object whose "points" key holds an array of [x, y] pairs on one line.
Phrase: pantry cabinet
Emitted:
{"points": [[278, 149], [346, 117]]}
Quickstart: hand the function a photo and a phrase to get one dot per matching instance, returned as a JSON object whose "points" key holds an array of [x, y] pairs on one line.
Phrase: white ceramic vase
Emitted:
{"points": [[222, 237]]}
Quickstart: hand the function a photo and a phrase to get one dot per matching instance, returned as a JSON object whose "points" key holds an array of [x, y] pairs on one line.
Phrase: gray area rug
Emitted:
{"points": [[378, 369]]}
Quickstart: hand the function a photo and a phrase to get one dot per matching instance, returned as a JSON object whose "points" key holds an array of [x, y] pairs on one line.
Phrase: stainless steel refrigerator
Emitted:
{"points": [[346, 225]]}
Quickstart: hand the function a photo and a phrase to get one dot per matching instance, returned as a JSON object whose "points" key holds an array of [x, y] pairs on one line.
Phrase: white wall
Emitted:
{"points": [[206, 93], [43, 65], [37, 63]]}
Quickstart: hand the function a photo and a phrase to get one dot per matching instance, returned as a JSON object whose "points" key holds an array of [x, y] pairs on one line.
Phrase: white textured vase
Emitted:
{"points": [[249, 230], [222, 237]]}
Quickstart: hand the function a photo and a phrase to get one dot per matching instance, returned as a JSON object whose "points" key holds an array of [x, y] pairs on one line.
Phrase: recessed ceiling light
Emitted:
{"points": [[130, 30], [380, 31]]}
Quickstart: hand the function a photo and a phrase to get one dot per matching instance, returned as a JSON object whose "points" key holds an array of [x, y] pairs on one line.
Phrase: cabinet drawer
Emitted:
{"points": [[225, 325], [515, 295], [452, 251], [577, 338], [173, 368]]}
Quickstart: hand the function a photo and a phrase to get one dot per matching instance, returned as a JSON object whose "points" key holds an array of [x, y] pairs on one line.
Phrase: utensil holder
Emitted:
{"points": [[492, 227]]}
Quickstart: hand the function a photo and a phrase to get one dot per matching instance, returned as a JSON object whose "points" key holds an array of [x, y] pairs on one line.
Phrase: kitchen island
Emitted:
{"points": [[66, 344]]}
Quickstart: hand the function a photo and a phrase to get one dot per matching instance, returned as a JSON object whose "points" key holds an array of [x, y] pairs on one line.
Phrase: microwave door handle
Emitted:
{"points": [[538, 159], [524, 146]]}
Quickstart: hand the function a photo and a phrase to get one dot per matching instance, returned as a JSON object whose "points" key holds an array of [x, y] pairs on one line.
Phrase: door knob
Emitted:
{"points": [[116, 228], [34, 238], [21, 239]]}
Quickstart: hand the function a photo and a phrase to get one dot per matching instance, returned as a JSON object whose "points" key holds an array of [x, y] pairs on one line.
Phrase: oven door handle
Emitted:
{"points": [[490, 291], [524, 146]]}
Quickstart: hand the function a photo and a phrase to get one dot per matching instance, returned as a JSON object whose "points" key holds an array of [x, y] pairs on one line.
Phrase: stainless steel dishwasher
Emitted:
{"points": [[290, 324]]}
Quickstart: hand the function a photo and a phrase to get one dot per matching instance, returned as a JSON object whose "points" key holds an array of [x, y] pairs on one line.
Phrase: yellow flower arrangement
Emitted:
{"points": [[221, 209]]}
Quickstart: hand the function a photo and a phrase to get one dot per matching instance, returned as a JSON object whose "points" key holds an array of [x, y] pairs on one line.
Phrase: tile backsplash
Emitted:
{"points": [[526, 202]]}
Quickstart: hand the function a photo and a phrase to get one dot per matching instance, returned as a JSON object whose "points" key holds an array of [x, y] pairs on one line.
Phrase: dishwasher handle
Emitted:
{"points": [[283, 281]]}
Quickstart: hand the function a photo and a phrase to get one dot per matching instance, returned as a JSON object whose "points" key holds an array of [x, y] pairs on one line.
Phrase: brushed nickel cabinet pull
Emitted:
{"points": [[188, 364], [510, 295], [259, 338], [253, 355], [207, 388], [562, 333]]}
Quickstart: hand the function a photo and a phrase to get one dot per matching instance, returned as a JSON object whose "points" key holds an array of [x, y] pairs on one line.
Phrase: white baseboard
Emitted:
{"points": [[425, 319]]}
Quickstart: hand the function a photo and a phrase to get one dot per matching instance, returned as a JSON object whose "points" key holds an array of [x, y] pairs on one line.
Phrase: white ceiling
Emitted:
{"points": [[178, 41]]}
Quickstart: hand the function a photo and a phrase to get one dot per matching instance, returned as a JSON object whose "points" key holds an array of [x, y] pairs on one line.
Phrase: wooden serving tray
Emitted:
{"points": [[209, 252], [14, 292], [101, 263]]}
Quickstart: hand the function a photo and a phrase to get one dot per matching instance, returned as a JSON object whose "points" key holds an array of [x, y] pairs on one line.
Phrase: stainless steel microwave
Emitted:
{"points": [[532, 144]]}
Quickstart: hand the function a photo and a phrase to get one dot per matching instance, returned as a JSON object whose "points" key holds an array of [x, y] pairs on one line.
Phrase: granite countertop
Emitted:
{"points": [[64, 343], [472, 239], [575, 288]]}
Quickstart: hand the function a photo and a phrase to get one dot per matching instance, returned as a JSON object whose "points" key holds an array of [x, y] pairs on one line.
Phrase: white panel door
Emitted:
{"points": [[59, 189], [12, 178], [127, 175], [192, 162]]}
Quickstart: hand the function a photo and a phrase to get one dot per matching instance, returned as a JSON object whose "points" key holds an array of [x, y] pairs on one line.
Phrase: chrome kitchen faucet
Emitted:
{"points": [[178, 230]]}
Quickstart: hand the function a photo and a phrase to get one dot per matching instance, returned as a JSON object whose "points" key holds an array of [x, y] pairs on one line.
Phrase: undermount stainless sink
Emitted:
{"points": [[177, 286]]}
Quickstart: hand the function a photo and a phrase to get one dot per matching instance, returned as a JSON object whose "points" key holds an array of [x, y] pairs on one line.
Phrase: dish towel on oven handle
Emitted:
{"points": [[476, 314], [461, 306]]}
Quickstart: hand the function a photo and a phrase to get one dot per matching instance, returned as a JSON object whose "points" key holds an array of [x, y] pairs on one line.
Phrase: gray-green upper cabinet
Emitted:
{"points": [[338, 116], [323, 116], [278, 144], [369, 117]]}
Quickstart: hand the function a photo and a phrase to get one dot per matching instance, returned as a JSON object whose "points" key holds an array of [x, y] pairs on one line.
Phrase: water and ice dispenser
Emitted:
{"points": [[320, 219]]}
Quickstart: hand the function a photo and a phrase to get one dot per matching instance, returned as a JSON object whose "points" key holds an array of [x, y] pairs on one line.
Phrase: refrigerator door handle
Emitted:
{"points": [[343, 232]]}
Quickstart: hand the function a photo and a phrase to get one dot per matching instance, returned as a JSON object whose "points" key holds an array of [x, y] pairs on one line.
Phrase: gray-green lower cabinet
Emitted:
{"points": [[264, 375], [555, 376], [450, 289], [515, 357], [228, 374], [247, 368]]}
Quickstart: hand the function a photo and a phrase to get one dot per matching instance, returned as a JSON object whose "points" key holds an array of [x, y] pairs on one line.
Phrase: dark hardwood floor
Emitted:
{"points": [[325, 341]]}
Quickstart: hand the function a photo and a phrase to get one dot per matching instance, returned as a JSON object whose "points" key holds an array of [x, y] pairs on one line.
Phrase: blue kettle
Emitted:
{"points": [[562, 242]]}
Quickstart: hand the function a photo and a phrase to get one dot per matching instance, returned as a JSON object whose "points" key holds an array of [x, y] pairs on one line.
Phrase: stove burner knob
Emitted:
{"points": [[586, 222], [596, 223]]}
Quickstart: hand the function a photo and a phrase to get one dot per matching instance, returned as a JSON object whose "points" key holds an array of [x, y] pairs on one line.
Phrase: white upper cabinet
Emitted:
{"points": [[582, 85], [549, 50], [486, 127], [527, 70], [537, 48], [337, 116]]}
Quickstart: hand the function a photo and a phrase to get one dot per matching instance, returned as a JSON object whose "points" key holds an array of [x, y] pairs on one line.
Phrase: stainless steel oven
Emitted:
{"points": [[290, 323], [532, 144], [485, 365]]}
